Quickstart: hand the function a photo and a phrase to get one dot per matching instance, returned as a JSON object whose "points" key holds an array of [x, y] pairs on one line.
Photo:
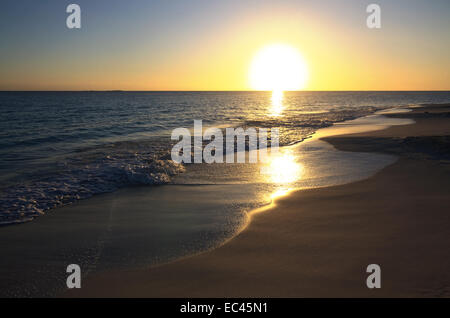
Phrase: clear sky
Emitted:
{"points": [[210, 44]]}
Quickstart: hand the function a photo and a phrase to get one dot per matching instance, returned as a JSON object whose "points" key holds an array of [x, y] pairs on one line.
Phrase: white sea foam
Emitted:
{"points": [[25, 201]]}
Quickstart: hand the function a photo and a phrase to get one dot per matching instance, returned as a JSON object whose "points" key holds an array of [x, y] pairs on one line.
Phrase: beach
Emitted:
{"points": [[319, 242]]}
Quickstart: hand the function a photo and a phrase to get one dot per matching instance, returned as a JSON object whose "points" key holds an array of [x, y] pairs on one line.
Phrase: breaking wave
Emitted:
{"points": [[80, 178]]}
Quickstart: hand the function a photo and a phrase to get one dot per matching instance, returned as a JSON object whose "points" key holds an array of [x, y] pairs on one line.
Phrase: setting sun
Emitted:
{"points": [[278, 67]]}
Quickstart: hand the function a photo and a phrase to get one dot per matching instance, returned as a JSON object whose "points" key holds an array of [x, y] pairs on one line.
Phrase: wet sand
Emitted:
{"points": [[318, 242]]}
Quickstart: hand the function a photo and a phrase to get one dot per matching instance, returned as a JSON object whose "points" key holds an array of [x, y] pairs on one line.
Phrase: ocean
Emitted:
{"points": [[60, 147]]}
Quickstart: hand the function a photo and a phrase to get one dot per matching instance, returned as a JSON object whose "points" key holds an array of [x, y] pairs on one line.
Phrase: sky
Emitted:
{"points": [[210, 44]]}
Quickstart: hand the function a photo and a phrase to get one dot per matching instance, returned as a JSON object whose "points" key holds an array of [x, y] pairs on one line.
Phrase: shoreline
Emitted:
{"points": [[59, 206], [138, 227], [212, 273], [37, 211]]}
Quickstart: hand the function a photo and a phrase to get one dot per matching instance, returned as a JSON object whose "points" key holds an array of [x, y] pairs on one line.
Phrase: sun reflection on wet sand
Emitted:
{"points": [[280, 193]]}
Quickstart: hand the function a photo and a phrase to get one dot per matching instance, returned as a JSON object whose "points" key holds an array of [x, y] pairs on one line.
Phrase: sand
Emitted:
{"points": [[318, 242]]}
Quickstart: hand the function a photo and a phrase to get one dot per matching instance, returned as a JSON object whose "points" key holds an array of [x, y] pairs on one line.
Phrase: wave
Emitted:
{"points": [[25, 201]]}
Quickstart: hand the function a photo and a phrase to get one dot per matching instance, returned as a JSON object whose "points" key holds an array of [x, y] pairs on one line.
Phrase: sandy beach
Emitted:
{"points": [[318, 242]]}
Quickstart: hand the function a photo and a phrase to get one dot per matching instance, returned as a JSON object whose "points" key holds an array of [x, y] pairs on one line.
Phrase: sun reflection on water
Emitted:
{"points": [[282, 170], [276, 103]]}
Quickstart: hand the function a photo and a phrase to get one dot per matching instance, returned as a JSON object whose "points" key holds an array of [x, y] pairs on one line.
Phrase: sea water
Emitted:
{"points": [[60, 147]]}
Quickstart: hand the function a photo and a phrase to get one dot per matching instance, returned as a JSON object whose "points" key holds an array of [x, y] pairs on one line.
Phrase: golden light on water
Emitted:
{"points": [[283, 169], [276, 103], [279, 68]]}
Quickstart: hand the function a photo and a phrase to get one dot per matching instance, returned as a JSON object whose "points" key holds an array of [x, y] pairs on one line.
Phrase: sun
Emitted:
{"points": [[278, 67]]}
